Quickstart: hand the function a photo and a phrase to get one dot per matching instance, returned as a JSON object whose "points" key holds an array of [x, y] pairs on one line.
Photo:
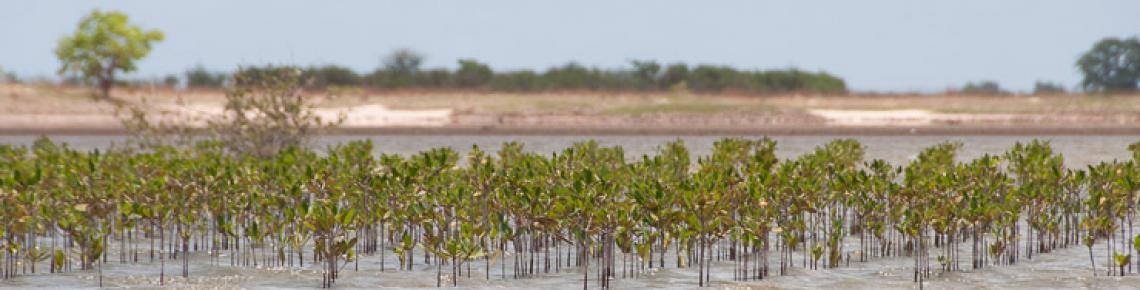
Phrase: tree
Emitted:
{"points": [[103, 45], [399, 68], [646, 72], [403, 61], [472, 74], [1111, 65]]}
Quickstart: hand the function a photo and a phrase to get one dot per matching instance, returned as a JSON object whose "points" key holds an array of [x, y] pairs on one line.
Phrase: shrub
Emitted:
{"points": [[331, 75], [170, 81], [674, 75], [1048, 88], [983, 88], [402, 70], [200, 77], [523, 80]]}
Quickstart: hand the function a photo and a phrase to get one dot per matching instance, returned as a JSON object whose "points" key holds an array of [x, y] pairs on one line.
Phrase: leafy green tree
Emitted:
{"points": [[1112, 64], [472, 74], [646, 72], [103, 45]]}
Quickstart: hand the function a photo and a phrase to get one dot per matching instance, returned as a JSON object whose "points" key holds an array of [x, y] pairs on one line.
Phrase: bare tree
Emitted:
{"points": [[266, 112]]}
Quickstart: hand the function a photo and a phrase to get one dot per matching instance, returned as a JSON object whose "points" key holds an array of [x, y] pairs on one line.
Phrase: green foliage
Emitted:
{"points": [[674, 75], [200, 77], [983, 88], [472, 74], [1048, 88], [1112, 64], [402, 69], [738, 203], [647, 73], [330, 75], [104, 45], [517, 81]]}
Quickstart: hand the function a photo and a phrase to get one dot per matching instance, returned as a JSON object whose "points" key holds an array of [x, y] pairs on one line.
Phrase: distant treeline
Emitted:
{"points": [[402, 70]]}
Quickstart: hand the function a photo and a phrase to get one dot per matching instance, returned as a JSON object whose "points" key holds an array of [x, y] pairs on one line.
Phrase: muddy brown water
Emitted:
{"points": [[1062, 269]]}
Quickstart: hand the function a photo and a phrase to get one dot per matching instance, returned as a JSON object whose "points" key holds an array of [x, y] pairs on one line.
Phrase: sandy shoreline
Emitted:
{"points": [[51, 110]]}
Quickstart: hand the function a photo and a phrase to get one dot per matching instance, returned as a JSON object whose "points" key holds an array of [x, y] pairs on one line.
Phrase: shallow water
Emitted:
{"points": [[1062, 269], [1079, 151], [1066, 268]]}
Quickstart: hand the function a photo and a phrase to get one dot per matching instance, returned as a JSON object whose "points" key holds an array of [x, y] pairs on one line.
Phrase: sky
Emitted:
{"points": [[875, 45]]}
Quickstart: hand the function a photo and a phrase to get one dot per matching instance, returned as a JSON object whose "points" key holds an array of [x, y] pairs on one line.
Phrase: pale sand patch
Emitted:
{"points": [[366, 116], [374, 115], [198, 115], [905, 117]]}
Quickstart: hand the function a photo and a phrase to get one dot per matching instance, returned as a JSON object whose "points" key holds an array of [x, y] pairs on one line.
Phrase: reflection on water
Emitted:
{"points": [[1062, 269]]}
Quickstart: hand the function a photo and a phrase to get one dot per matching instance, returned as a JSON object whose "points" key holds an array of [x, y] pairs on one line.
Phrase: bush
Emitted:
{"points": [[170, 81], [402, 70], [259, 75], [707, 78], [265, 112], [200, 77], [674, 75], [569, 76], [524, 80], [983, 88], [472, 74], [331, 75], [1048, 88], [434, 78]]}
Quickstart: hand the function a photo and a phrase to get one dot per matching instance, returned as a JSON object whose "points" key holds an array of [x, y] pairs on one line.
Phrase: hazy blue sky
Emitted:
{"points": [[892, 45]]}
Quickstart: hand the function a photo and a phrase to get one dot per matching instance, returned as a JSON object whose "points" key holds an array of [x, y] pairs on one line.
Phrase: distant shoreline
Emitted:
{"points": [[61, 110]]}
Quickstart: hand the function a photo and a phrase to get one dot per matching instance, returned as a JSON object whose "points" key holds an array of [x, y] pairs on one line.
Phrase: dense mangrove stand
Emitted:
{"points": [[588, 209]]}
